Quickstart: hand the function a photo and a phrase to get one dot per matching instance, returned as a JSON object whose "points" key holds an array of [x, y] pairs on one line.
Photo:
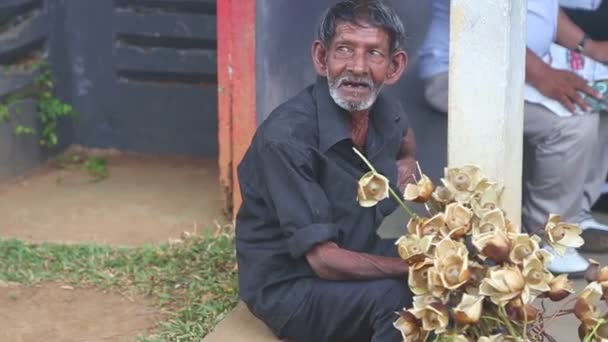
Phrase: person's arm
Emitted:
{"points": [[569, 35], [331, 262], [406, 163], [561, 85], [305, 216]]}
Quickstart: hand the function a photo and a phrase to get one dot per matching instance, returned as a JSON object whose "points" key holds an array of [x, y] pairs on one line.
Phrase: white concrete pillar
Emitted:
{"points": [[487, 61]]}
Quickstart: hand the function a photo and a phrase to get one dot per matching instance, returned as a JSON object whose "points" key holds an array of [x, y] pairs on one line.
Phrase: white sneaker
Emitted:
{"points": [[571, 263], [595, 235]]}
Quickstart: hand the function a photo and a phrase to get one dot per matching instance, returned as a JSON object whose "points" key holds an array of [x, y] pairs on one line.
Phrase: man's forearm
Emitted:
{"points": [[535, 68], [568, 33], [331, 262]]}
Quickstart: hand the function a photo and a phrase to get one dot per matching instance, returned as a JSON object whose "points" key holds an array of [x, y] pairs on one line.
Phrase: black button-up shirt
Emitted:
{"points": [[299, 185]]}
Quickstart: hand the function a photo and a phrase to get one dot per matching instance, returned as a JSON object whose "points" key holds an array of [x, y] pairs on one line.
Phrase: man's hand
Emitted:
{"points": [[406, 171], [561, 85], [330, 262], [406, 164]]}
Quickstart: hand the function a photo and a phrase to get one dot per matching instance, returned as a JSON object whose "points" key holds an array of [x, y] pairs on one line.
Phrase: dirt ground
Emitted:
{"points": [[144, 200], [52, 313]]}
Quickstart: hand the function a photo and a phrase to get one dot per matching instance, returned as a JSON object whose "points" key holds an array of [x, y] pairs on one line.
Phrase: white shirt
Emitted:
{"points": [[542, 25]]}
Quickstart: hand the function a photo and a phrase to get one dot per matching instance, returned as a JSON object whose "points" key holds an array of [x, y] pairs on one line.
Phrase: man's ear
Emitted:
{"points": [[319, 57], [397, 67]]}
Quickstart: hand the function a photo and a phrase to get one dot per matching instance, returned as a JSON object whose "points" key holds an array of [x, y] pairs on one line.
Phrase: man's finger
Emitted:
{"points": [[565, 101], [580, 102], [581, 85]]}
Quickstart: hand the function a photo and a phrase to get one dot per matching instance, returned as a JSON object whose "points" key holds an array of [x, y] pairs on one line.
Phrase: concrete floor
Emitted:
{"points": [[144, 200]]}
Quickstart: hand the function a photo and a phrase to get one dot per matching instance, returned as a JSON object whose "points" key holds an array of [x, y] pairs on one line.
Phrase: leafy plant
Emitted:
{"points": [[50, 110], [97, 167]]}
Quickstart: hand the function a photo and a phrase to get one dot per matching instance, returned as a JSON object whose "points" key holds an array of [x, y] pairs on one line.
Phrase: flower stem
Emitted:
{"points": [[371, 167], [403, 205], [507, 323], [590, 336], [393, 193]]}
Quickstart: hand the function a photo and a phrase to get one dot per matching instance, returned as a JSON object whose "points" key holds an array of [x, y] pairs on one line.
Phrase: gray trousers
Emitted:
{"points": [[565, 159]]}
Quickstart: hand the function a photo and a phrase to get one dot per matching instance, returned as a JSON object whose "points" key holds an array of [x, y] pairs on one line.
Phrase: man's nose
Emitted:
{"points": [[358, 64]]}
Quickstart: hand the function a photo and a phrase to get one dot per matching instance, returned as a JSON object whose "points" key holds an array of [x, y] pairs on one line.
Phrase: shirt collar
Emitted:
{"points": [[333, 120]]}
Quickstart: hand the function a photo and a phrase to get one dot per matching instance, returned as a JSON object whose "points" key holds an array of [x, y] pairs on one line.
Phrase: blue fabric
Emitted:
{"points": [[350, 311]]}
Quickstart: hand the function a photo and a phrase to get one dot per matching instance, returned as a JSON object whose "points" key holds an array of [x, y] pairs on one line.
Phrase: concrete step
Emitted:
{"points": [[241, 326]]}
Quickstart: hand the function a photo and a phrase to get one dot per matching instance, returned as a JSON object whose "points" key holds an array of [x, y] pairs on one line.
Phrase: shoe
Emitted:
{"points": [[595, 235], [571, 263]]}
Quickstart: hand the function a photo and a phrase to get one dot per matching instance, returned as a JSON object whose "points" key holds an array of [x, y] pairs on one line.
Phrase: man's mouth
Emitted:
{"points": [[355, 85]]}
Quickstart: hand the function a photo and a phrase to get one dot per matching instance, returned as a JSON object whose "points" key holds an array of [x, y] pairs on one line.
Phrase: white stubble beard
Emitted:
{"points": [[349, 105]]}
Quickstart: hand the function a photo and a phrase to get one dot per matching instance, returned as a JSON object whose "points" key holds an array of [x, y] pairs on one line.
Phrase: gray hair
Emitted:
{"points": [[362, 12]]}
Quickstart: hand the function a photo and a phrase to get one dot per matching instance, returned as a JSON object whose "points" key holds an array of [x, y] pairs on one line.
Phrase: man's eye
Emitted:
{"points": [[376, 53], [343, 49]]}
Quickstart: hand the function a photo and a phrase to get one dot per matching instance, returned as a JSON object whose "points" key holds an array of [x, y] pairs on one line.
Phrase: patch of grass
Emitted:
{"points": [[97, 167], [193, 280]]}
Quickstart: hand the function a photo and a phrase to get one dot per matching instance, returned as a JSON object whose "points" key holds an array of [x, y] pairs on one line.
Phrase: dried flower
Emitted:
{"points": [[490, 238], [478, 272], [442, 195], [428, 227], [451, 263], [593, 271], [504, 284], [562, 235], [469, 309], [409, 326], [373, 188], [535, 276], [413, 249], [418, 280], [419, 192], [585, 308], [436, 287], [522, 312], [464, 182], [457, 219], [561, 287], [488, 200], [524, 246], [434, 316]]}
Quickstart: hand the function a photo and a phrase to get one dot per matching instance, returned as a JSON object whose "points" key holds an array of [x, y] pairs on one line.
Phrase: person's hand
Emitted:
{"points": [[565, 87], [406, 171]]}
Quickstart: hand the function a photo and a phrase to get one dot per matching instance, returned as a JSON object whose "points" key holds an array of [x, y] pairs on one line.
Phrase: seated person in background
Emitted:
{"points": [[311, 265], [564, 159]]}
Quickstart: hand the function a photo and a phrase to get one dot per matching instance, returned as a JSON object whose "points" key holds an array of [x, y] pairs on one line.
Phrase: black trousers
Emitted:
{"points": [[350, 311]]}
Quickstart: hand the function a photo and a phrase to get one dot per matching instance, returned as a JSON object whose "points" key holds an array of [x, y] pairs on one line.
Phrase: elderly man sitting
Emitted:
{"points": [[311, 265]]}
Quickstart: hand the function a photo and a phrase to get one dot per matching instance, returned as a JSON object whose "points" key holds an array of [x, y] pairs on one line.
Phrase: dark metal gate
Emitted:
{"points": [[140, 74]]}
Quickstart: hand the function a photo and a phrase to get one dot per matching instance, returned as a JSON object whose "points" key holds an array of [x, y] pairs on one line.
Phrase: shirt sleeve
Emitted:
{"points": [[300, 203]]}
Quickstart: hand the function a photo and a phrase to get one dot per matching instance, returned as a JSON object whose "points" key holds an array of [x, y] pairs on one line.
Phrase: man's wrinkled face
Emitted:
{"points": [[358, 62]]}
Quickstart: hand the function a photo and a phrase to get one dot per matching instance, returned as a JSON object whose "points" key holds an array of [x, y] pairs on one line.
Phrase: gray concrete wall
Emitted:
{"points": [[143, 74], [140, 74]]}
